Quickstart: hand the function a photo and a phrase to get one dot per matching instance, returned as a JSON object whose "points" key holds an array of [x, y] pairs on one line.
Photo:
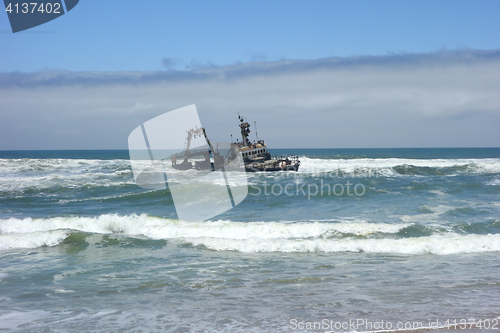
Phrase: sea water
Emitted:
{"points": [[357, 240]]}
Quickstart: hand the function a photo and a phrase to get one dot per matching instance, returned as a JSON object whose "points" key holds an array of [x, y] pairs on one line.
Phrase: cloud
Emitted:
{"points": [[444, 99], [258, 56], [170, 63]]}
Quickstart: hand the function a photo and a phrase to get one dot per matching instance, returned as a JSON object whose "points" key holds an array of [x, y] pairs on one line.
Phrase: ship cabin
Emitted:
{"points": [[255, 153]]}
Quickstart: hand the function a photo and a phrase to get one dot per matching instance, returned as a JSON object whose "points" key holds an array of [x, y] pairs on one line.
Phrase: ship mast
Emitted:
{"points": [[245, 130], [256, 135]]}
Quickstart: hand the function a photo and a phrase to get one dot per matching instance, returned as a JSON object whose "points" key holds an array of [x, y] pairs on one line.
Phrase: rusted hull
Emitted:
{"points": [[270, 168]]}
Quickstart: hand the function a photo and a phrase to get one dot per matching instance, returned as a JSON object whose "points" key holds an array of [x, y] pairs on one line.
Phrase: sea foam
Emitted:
{"points": [[435, 244], [250, 237], [388, 166]]}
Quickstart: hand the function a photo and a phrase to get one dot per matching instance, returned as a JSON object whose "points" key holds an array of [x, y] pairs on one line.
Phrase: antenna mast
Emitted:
{"points": [[256, 135]]}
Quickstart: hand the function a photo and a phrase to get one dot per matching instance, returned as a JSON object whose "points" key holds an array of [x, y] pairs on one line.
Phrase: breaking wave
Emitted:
{"points": [[436, 244], [366, 167], [253, 237]]}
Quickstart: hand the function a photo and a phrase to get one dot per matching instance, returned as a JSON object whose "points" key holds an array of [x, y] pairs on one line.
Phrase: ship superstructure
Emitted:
{"points": [[257, 157], [200, 156]]}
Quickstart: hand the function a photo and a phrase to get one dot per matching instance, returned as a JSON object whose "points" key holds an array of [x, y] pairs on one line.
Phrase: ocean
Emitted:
{"points": [[358, 240]]}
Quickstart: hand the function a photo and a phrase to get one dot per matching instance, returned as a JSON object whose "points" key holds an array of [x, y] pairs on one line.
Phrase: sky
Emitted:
{"points": [[313, 74]]}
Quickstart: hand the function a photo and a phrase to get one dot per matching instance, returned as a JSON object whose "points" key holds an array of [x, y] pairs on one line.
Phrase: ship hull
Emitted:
{"points": [[272, 168]]}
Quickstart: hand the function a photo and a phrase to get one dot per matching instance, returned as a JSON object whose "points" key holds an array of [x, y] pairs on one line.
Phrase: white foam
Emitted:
{"points": [[156, 227], [12, 320], [30, 232], [369, 167], [40, 174], [432, 216], [32, 239], [494, 182], [27, 165], [63, 291], [436, 244], [21, 174], [284, 236]]}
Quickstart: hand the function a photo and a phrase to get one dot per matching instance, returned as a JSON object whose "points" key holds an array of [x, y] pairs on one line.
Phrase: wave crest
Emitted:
{"points": [[251, 237]]}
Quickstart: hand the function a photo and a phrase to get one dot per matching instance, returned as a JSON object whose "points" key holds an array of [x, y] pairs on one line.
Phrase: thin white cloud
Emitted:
{"points": [[419, 100]]}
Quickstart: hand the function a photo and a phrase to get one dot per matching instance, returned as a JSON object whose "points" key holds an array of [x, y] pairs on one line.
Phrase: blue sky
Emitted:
{"points": [[116, 35], [343, 74]]}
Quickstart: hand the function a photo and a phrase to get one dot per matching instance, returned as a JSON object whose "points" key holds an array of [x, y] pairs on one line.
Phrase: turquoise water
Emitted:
{"points": [[402, 236]]}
